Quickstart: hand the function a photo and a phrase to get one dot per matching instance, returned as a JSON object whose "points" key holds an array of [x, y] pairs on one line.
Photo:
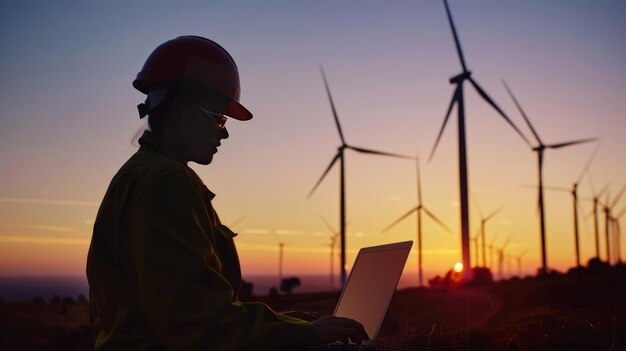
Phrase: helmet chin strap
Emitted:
{"points": [[143, 109], [156, 96]]}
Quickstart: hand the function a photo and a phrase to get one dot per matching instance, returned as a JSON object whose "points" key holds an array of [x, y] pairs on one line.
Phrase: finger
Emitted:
{"points": [[355, 336], [358, 326]]}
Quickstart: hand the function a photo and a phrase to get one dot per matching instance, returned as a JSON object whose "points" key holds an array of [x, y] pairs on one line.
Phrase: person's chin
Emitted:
{"points": [[205, 160]]}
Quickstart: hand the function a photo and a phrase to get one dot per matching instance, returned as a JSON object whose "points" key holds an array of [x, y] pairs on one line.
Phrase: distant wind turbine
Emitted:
{"points": [[418, 211], [518, 258], [474, 239], [618, 234], [281, 247], [491, 247], [339, 156], [500, 252], [333, 242], [483, 221], [608, 207], [539, 149], [458, 99], [596, 202]]}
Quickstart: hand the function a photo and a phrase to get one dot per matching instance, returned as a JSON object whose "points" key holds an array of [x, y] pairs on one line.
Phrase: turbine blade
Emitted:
{"points": [[593, 189], [324, 174], [570, 143], [434, 218], [494, 213], [332, 106], [593, 155], [486, 97], [456, 37], [477, 207], [493, 238], [419, 180], [519, 107], [506, 242], [330, 227], [445, 121], [619, 195], [399, 219], [603, 190], [557, 188], [374, 152], [238, 220]]}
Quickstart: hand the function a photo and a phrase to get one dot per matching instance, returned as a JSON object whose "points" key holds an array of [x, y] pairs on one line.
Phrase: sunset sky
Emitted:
{"points": [[68, 116]]}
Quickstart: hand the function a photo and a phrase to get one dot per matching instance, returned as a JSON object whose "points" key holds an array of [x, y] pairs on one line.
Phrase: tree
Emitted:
{"points": [[288, 284]]}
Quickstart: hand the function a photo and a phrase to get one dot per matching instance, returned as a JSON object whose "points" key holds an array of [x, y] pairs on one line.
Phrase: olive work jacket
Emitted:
{"points": [[163, 271]]}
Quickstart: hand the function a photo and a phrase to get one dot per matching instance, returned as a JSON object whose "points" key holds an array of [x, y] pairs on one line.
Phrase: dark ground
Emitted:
{"points": [[577, 311]]}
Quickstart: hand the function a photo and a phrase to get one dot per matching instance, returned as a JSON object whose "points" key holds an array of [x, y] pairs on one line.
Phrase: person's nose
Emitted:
{"points": [[224, 133]]}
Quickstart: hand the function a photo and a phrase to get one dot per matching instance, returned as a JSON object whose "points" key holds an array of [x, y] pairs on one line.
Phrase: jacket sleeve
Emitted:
{"points": [[186, 302]]}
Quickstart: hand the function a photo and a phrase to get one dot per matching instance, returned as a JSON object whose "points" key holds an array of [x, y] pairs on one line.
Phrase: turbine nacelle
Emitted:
{"points": [[461, 77]]}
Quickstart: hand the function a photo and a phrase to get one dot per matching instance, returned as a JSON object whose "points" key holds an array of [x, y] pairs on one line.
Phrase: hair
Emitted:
{"points": [[157, 118]]}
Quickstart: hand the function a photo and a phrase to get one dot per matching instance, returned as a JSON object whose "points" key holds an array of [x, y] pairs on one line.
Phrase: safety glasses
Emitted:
{"points": [[219, 118]]}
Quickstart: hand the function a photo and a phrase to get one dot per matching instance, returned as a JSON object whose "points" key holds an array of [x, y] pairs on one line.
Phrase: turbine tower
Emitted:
{"points": [[539, 149], [458, 99], [339, 156], [418, 211]]}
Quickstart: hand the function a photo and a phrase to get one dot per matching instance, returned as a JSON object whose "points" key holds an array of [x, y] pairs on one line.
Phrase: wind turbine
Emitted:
{"points": [[281, 248], [474, 239], [518, 258], [618, 233], [333, 242], [339, 156], [458, 99], [540, 149], [418, 211], [500, 252], [491, 247], [596, 201], [607, 220], [483, 221]]}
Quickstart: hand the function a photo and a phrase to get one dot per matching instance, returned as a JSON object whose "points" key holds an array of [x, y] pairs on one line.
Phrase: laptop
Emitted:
{"points": [[371, 284]]}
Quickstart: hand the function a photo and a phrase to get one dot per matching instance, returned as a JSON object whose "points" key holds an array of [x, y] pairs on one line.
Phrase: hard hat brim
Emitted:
{"points": [[237, 111]]}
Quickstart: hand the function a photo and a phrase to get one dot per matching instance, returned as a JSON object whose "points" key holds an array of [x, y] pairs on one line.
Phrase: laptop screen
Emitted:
{"points": [[371, 284]]}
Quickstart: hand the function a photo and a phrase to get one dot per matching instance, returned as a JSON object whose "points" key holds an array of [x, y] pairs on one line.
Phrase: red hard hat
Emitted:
{"points": [[199, 60]]}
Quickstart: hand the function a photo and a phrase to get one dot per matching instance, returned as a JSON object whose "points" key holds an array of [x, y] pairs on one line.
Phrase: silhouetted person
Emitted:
{"points": [[163, 270]]}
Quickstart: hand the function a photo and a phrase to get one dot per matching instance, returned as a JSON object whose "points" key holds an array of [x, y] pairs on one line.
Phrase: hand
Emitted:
{"points": [[329, 329], [307, 316]]}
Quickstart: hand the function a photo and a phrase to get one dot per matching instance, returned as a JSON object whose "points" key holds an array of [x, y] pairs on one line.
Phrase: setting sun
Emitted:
{"points": [[458, 267]]}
